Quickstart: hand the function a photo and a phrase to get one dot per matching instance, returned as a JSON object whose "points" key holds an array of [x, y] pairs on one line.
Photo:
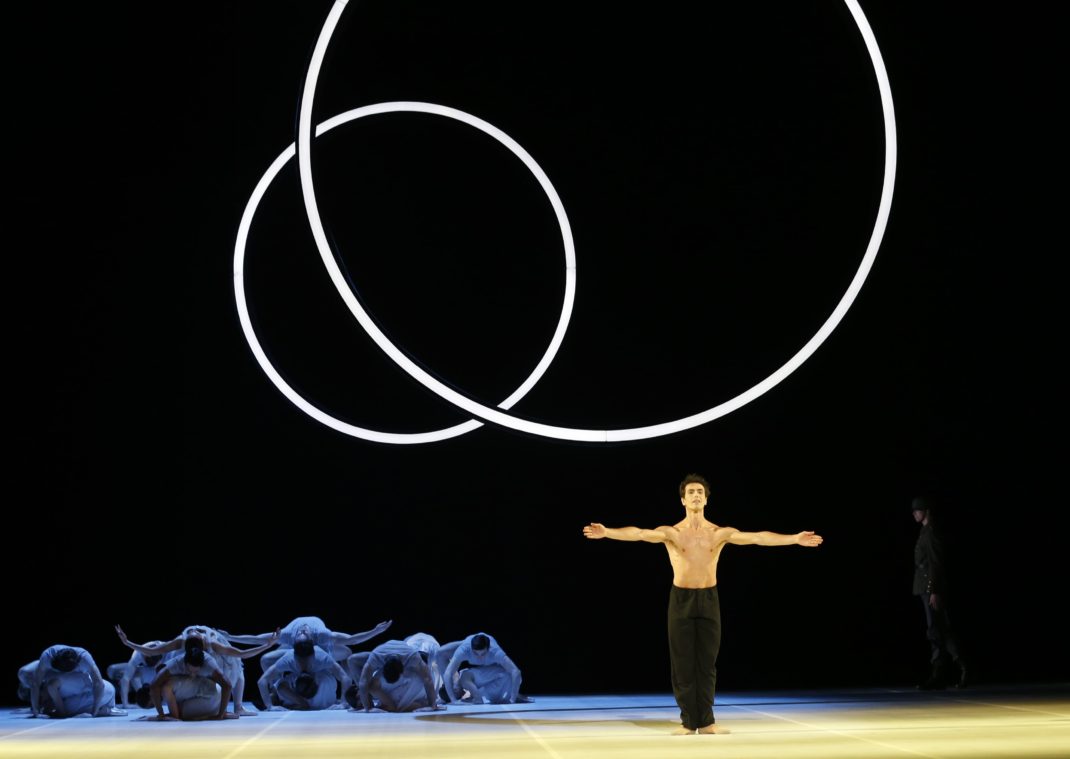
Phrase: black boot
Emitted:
{"points": [[963, 679], [937, 677]]}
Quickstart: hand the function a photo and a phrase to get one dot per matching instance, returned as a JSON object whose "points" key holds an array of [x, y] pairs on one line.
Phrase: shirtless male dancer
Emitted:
{"points": [[694, 545]]}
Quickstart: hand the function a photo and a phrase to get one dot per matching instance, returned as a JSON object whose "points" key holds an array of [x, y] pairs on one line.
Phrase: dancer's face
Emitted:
{"points": [[694, 497]]}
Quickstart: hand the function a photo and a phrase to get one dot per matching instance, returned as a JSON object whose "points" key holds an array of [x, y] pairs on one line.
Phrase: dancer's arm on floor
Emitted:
{"points": [[374, 664], [460, 654], [429, 683], [224, 696], [343, 679], [262, 684]]}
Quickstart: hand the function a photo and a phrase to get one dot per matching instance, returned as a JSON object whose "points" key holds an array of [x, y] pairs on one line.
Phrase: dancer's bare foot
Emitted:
{"points": [[682, 731], [713, 729]]}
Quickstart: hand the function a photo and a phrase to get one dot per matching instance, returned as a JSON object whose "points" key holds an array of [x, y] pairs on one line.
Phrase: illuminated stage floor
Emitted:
{"points": [[999, 721]]}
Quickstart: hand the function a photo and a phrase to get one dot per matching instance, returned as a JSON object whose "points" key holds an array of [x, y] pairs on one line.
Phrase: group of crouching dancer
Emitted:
{"points": [[199, 673]]}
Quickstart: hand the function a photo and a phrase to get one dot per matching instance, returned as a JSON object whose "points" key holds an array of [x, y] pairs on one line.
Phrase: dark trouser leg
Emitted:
{"points": [[946, 635], [941, 636], [681, 658], [937, 679], [932, 632], [707, 645], [944, 644], [694, 640]]}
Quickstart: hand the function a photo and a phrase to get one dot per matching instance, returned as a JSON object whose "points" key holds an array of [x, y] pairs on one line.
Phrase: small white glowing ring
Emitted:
{"points": [[243, 309], [304, 140]]}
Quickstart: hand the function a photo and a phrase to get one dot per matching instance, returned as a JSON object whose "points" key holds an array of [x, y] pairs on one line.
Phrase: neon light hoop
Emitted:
{"points": [[568, 433], [239, 274]]}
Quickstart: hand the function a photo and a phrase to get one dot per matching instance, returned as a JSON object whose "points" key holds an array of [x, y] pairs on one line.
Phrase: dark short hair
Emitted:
{"points": [[304, 648], [143, 697], [152, 661], [392, 668], [480, 642], [698, 479], [194, 656], [306, 685], [352, 696], [921, 503], [65, 660]]}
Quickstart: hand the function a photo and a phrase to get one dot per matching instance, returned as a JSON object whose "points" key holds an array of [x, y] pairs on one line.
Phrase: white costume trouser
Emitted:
{"points": [[197, 697], [76, 696]]}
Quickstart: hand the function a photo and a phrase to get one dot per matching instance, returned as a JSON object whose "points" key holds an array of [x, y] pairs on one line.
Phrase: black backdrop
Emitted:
{"points": [[721, 170]]}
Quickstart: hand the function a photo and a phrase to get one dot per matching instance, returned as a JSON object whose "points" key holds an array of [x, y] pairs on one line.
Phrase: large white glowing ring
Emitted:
{"points": [[566, 433], [493, 415], [239, 274]]}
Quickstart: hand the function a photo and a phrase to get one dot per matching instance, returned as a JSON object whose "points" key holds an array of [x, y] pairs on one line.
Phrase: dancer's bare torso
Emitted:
{"points": [[694, 551]]}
